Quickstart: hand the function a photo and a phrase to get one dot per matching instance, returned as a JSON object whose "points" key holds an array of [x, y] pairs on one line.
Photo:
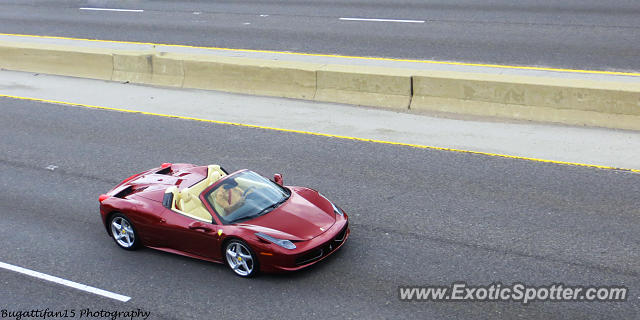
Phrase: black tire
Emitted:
{"points": [[124, 236], [240, 264]]}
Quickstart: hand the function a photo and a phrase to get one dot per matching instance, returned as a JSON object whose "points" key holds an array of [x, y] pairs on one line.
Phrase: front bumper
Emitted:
{"points": [[275, 259]]}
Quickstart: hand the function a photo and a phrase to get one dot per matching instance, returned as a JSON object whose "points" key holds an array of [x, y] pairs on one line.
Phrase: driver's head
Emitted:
{"points": [[229, 197], [230, 183]]}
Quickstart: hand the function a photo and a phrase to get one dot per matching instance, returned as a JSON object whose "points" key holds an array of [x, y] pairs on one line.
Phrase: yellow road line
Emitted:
{"points": [[318, 134], [633, 74]]}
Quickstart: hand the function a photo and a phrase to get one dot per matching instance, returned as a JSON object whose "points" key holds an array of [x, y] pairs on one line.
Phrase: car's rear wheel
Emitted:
{"points": [[240, 259], [123, 232]]}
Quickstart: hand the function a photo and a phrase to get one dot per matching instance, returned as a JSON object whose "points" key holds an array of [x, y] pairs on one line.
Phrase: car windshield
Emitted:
{"points": [[244, 196]]}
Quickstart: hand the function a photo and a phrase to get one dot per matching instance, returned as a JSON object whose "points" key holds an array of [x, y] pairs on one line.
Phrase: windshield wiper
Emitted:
{"points": [[269, 208], [262, 212]]}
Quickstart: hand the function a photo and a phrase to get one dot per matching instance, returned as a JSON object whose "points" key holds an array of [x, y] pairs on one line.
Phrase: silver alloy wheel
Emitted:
{"points": [[239, 259], [122, 232]]}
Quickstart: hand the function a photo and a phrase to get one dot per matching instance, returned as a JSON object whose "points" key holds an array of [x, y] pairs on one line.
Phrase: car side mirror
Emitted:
{"points": [[277, 178]]}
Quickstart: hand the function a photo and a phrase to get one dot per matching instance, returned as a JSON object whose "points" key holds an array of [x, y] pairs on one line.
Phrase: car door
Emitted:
{"points": [[147, 218], [189, 235]]}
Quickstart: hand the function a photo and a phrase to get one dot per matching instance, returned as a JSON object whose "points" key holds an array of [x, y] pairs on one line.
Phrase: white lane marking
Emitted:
{"points": [[108, 9], [382, 20], [51, 167], [264, 15], [64, 282]]}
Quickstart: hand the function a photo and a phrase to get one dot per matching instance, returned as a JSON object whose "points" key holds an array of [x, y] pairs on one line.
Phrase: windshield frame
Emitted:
{"points": [[211, 207]]}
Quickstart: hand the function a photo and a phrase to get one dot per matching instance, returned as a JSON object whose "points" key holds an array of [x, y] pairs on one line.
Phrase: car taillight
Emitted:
{"points": [[103, 197]]}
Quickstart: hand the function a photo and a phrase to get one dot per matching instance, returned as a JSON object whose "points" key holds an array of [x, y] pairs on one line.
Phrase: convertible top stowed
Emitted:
{"points": [[241, 218]]}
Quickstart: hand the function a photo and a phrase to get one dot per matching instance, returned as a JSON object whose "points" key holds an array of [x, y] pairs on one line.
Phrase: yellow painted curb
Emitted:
{"points": [[559, 100], [450, 63], [322, 134]]}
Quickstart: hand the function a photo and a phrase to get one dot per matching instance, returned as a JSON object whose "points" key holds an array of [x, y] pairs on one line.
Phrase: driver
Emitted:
{"points": [[229, 197]]}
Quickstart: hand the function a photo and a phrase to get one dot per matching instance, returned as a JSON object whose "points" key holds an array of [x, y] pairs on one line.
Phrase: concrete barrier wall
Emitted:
{"points": [[568, 101], [134, 67], [251, 76], [366, 86], [146, 68], [167, 71], [560, 100], [61, 60]]}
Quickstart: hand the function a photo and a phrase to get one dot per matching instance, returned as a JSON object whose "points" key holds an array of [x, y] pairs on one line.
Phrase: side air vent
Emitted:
{"points": [[166, 170], [140, 189], [128, 191], [124, 192]]}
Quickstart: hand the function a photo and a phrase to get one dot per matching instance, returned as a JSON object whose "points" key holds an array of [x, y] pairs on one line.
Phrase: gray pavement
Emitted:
{"points": [[419, 216], [606, 147], [574, 34]]}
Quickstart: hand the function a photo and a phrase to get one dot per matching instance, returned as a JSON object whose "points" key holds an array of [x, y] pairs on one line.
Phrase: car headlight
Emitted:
{"points": [[335, 209], [281, 242]]}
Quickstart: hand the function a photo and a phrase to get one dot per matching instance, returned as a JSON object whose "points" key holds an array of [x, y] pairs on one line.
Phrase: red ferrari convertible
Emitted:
{"points": [[242, 219]]}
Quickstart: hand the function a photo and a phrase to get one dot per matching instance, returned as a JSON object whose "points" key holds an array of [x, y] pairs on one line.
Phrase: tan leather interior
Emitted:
{"points": [[192, 206], [187, 201], [213, 175]]}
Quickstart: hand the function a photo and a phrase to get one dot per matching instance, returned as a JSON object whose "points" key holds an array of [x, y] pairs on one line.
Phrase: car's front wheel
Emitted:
{"points": [[123, 232], [241, 259]]}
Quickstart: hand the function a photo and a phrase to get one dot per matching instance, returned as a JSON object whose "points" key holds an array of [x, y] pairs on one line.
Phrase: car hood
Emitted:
{"points": [[296, 219]]}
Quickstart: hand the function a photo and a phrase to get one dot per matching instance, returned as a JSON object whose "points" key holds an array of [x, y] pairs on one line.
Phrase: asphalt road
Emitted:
{"points": [[418, 217], [576, 34]]}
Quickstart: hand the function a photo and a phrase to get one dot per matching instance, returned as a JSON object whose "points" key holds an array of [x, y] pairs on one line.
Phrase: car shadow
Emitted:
{"points": [[329, 263]]}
